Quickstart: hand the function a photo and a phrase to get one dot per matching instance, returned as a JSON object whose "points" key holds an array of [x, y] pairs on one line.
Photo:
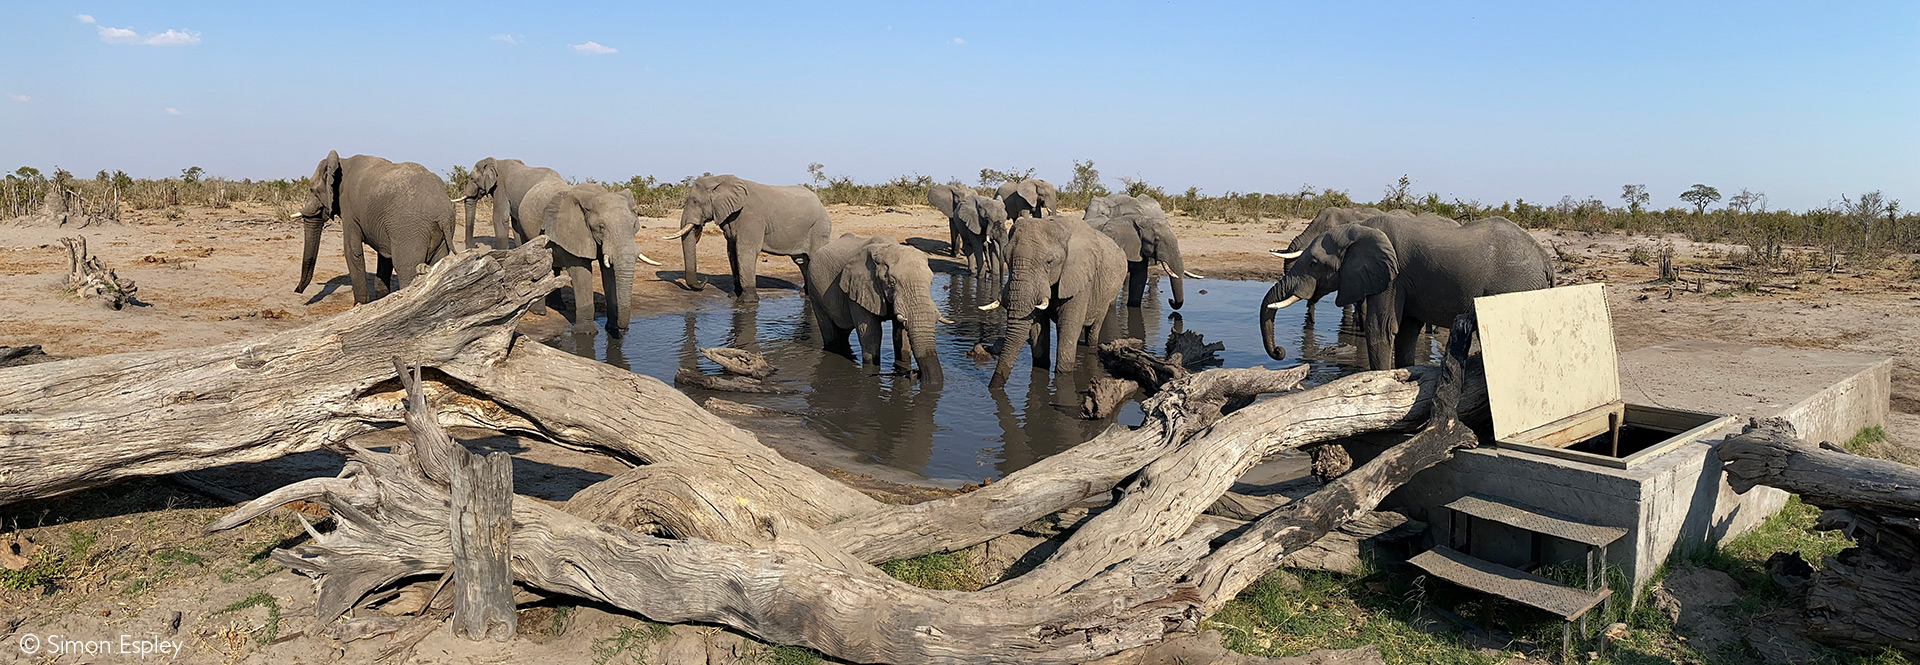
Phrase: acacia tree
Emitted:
{"points": [[1086, 181], [1700, 196], [1746, 201], [1636, 197]]}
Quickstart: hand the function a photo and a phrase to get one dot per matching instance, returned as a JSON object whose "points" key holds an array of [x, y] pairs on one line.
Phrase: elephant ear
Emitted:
{"points": [[1128, 234], [330, 182], [1080, 256], [564, 220], [725, 197], [969, 213], [864, 280], [1368, 265], [1030, 191], [486, 175], [627, 195]]}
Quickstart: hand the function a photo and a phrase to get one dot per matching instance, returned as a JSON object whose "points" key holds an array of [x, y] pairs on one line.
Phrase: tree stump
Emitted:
{"points": [[88, 277], [740, 362], [482, 527]]}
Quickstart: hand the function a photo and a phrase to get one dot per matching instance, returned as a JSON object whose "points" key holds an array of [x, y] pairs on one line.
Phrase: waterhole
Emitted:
{"points": [[962, 429]]}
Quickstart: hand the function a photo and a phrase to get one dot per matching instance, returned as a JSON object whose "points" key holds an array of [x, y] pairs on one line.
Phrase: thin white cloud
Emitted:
{"points": [[19, 97], [594, 48], [173, 111], [128, 36], [958, 40], [504, 38], [84, 18]]}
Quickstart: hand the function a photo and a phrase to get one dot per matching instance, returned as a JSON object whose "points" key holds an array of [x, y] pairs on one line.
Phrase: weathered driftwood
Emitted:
{"points": [[89, 277], [1867, 596], [739, 361], [1103, 398], [25, 355], [481, 529], [732, 384], [1190, 350]]}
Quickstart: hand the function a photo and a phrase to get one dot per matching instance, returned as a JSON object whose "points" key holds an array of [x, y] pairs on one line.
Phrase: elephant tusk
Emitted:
{"points": [[676, 234], [1290, 300], [1195, 275], [294, 216], [947, 321], [1288, 255], [1043, 303], [650, 262], [459, 200], [990, 306]]}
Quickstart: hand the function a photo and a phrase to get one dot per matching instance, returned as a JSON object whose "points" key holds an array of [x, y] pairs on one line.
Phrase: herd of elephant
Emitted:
{"points": [[1401, 270]]}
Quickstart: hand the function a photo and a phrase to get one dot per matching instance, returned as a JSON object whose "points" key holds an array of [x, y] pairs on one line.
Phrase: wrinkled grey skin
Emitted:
{"points": [[401, 210], [585, 224], [1407, 272], [983, 227], [1332, 217], [1060, 271], [855, 284], [1028, 198], [783, 220], [507, 181], [1139, 227], [947, 199]]}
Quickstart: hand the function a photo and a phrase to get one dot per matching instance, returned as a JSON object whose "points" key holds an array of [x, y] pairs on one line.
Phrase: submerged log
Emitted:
{"points": [[1867, 596], [732, 384], [739, 361]]}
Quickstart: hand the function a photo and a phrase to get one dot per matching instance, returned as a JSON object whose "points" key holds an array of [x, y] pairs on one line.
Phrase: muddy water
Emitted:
{"points": [[962, 429]]}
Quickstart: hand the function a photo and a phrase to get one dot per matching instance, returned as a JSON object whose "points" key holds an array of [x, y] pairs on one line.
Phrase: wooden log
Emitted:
{"points": [[482, 504], [89, 277], [1867, 596], [740, 361], [1104, 398], [732, 384], [1191, 351]]}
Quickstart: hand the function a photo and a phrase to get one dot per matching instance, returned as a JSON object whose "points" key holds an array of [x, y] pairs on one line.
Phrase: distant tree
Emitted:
{"points": [[1747, 202], [1398, 193], [458, 177], [817, 173], [1700, 196], [191, 174], [1636, 197], [994, 178], [1086, 180], [1138, 187], [121, 179]]}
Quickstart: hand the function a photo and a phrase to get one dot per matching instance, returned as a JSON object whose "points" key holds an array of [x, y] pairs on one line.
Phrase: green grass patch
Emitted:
{"points": [[271, 630], [947, 571], [1275, 617], [50, 564], [629, 641], [790, 655]]}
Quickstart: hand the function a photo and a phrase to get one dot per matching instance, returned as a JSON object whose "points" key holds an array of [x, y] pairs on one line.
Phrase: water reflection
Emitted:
{"points": [[959, 428]]}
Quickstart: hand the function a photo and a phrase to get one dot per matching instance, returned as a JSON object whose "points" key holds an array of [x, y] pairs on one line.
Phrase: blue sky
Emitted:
{"points": [[1488, 101]]}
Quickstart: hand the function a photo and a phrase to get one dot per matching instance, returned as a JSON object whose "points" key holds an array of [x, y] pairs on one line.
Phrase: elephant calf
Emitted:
{"points": [[1061, 272], [1408, 271], [788, 221], [1140, 228], [856, 283], [401, 210]]}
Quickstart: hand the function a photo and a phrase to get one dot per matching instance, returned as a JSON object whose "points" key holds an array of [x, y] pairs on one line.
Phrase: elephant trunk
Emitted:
{"points": [[920, 333], [689, 249], [309, 253], [1266, 323], [471, 203], [1176, 272], [617, 282], [1017, 330]]}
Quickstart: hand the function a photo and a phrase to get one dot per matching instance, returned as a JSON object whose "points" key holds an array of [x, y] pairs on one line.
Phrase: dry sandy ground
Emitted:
{"points": [[214, 276]]}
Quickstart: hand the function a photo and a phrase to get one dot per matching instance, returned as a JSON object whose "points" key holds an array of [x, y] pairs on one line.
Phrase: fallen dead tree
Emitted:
{"points": [[739, 361], [711, 525], [1867, 596]]}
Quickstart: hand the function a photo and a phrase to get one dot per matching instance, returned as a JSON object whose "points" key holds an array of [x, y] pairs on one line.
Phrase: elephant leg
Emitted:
{"points": [[382, 275], [502, 217], [1073, 324], [744, 253], [868, 328], [902, 349], [581, 274], [953, 237], [1136, 281], [356, 257], [1041, 342], [1381, 320], [1407, 342]]}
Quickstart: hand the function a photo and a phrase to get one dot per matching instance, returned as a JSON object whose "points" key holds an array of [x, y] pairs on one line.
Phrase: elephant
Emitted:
{"points": [[1028, 198], [1334, 216], [1408, 272], [586, 223], [983, 229], [947, 199], [855, 283], [399, 209], [783, 220], [1060, 271], [1140, 228], [507, 181]]}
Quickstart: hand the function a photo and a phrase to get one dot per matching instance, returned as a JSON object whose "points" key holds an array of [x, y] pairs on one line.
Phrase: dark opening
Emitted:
{"points": [[1633, 439]]}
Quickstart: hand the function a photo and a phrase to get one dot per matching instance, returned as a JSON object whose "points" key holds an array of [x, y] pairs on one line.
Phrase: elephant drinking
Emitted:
{"points": [[1062, 272], [1139, 227], [855, 284]]}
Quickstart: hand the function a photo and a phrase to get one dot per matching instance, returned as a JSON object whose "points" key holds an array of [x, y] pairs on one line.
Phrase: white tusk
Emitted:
{"points": [[990, 306], [676, 234], [650, 262], [1043, 303], [1288, 255], [294, 216], [1195, 275], [459, 200], [946, 320], [1290, 300]]}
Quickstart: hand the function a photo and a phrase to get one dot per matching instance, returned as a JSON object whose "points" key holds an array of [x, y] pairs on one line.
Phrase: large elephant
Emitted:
{"points": [[783, 220], [947, 199], [507, 181], [1140, 228], [983, 227], [855, 284], [401, 210], [1408, 271], [1060, 272], [586, 223], [1028, 198]]}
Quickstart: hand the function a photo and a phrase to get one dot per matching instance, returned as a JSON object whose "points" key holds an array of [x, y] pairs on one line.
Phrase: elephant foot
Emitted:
{"points": [[586, 328]]}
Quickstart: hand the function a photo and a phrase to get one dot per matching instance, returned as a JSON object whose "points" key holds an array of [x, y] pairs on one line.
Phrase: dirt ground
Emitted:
{"points": [[216, 275]]}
